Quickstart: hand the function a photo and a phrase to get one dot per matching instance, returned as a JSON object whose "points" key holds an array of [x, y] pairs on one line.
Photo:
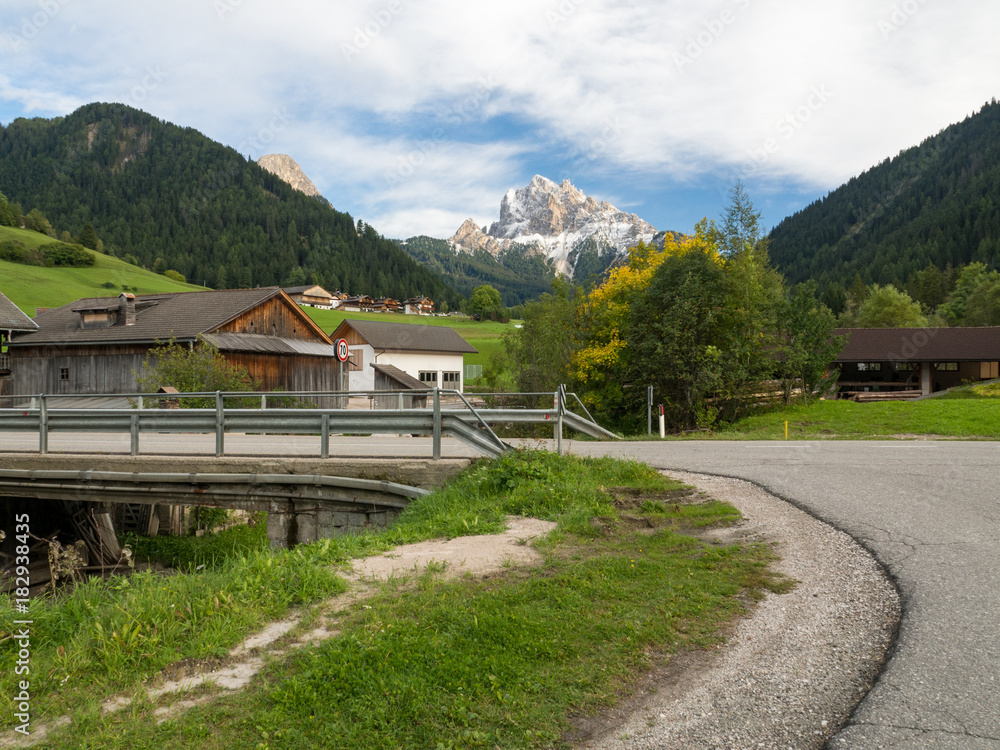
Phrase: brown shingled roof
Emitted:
{"points": [[158, 317], [12, 319], [407, 337], [405, 380], [920, 344]]}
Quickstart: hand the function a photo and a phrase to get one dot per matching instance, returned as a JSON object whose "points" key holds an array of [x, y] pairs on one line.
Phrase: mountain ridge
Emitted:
{"points": [[559, 222], [158, 191], [934, 204]]}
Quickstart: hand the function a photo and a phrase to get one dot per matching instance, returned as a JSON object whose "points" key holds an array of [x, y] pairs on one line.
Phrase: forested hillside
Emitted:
{"points": [[153, 190], [936, 204], [516, 274]]}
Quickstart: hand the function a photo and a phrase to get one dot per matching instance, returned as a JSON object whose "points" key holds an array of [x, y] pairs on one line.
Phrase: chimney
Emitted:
{"points": [[126, 309]]}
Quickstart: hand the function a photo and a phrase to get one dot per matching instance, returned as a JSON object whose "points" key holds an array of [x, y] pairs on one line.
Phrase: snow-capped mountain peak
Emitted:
{"points": [[557, 220]]}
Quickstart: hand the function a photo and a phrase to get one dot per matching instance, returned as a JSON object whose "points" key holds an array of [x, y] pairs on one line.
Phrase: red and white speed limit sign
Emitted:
{"points": [[342, 351]]}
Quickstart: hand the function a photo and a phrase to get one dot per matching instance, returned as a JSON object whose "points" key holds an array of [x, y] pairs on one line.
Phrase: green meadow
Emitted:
{"points": [[30, 287]]}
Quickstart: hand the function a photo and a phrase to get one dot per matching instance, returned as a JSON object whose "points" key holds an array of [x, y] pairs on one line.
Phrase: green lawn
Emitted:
{"points": [[486, 336], [29, 287], [503, 662], [953, 417]]}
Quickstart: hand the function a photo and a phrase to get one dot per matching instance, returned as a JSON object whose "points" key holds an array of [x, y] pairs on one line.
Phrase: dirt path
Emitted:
{"points": [[476, 556]]}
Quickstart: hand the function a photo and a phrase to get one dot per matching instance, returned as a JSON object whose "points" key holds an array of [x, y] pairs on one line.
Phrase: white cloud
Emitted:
{"points": [[668, 91]]}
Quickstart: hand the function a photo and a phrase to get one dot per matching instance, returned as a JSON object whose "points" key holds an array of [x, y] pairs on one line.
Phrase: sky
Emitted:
{"points": [[414, 115]]}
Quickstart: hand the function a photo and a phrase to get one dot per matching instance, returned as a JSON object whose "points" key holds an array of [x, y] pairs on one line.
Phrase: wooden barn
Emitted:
{"points": [[12, 321], [98, 345], [915, 361]]}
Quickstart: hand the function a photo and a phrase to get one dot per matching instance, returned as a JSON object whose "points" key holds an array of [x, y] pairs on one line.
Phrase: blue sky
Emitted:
{"points": [[415, 115]]}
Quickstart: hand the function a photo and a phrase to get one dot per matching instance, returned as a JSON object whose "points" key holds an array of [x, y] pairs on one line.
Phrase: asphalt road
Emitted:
{"points": [[930, 512]]}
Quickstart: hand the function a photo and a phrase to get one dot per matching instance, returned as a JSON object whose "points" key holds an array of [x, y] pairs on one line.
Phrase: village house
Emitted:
{"points": [[418, 306], [98, 345], [12, 321], [358, 303], [429, 356], [924, 360], [312, 295], [388, 304]]}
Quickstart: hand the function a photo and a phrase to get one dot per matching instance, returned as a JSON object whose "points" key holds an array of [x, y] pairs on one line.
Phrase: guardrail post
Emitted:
{"points": [[134, 441], [220, 425], [437, 423], [43, 425], [263, 401], [324, 438], [559, 421]]}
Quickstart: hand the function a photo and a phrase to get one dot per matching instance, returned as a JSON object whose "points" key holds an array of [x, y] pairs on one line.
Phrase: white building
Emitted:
{"points": [[432, 354]]}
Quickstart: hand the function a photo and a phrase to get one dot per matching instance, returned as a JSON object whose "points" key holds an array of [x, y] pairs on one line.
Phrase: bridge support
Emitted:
{"points": [[301, 522]]}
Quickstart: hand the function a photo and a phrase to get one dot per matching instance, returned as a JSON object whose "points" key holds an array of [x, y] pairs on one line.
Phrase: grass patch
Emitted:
{"points": [[29, 287], [980, 391], [502, 662], [962, 418], [188, 552]]}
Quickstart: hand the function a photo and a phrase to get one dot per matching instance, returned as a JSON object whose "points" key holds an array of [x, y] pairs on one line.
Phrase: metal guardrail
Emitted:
{"points": [[463, 421]]}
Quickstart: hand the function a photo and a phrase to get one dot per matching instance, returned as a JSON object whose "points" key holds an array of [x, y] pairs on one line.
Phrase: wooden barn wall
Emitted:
{"points": [[391, 401], [289, 373], [353, 337], [91, 369], [272, 318], [109, 369]]}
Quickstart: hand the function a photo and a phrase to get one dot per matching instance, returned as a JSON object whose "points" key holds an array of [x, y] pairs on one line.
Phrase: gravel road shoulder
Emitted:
{"points": [[790, 674]]}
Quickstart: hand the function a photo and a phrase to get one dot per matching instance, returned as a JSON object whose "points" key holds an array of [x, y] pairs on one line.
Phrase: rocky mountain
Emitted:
{"points": [[285, 167], [575, 232]]}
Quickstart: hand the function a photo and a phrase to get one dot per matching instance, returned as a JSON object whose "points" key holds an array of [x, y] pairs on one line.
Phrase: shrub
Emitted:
{"points": [[73, 256], [175, 276], [13, 251]]}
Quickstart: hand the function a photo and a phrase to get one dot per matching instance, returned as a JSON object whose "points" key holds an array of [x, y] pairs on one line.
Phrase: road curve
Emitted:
{"points": [[930, 512]]}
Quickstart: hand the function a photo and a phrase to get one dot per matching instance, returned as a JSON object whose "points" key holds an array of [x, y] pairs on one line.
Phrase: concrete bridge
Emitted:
{"points": [[306, 499]]}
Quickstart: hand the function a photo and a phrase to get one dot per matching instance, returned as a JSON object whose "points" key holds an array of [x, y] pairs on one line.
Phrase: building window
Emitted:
{"points": [[356, 360], [946, 366], [906, 366], [451, 379], [429, 376], [869, 367], [64, 373]]}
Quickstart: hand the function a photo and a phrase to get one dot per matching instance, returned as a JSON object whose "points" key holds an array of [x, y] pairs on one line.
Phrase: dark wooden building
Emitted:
{"points": [[12, 321], [921, 360], [98, 345]]}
